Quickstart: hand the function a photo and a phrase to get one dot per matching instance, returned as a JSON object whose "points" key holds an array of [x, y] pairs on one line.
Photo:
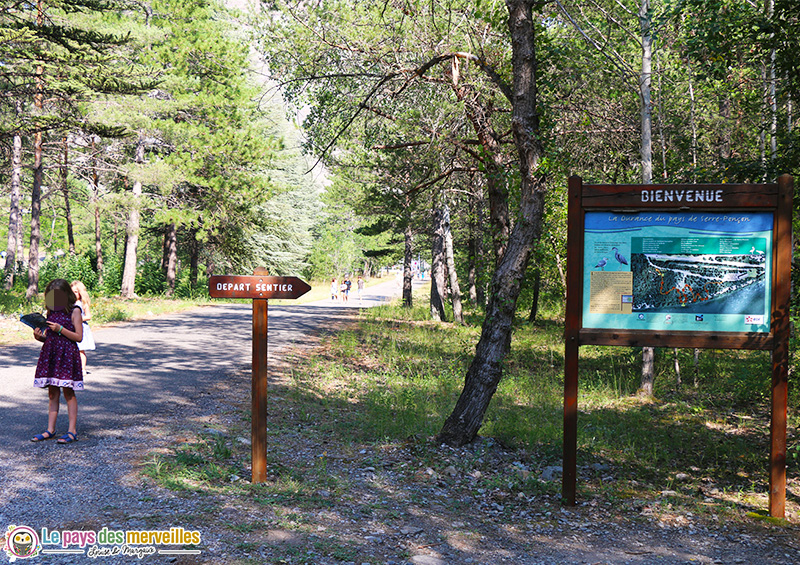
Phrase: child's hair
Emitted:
{"points": [[63, 286], [82, 295]]}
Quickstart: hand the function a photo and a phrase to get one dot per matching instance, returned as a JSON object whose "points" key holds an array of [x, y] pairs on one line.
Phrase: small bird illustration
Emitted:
{"points": [[620, 258], [22, 543], [602, 263]]}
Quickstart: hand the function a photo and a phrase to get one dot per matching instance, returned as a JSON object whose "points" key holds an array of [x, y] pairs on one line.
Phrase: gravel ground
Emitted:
{"points": [[161, 384]]}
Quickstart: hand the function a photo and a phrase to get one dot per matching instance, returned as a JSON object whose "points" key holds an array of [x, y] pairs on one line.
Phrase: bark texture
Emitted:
{"points": [[65, 191], [485, 372], [98, 242], [132, 234], [14, 219], [36, 212], [455, 290], [438, 283], [171, 258], [648, 355]]}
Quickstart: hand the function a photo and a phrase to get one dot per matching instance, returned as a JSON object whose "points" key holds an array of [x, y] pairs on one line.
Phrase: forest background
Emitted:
{"points": [[148, 145]]}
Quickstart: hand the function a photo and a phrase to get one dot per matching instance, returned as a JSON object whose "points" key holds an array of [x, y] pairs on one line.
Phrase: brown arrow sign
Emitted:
{"points": [[254, 286]]}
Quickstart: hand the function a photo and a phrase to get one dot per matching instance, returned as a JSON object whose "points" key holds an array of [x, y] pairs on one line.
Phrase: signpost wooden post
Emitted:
{"points": [[260, 287], [631, 252]]}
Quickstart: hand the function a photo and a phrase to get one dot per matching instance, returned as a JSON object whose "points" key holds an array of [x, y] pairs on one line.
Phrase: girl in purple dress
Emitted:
{"points": [[59, 367]]}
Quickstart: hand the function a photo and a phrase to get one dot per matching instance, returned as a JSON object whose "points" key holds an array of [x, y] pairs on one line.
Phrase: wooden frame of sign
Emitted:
{"points": [[260, 287], [610, 315]]}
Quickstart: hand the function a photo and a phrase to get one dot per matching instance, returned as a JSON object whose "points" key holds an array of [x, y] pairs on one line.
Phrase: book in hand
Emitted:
{"points": [[34, 320]]}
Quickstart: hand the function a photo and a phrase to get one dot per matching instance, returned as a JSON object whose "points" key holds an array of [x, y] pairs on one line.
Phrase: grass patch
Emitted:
{"points": [[203, 466], [398, 376]]}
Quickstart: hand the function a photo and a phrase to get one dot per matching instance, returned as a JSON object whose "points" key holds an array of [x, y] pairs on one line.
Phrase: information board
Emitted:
{"points": [[678, 271], [694, 266]]}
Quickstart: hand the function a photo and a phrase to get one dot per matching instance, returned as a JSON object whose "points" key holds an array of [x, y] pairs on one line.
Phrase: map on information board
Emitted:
{"points": [[678, 271]]}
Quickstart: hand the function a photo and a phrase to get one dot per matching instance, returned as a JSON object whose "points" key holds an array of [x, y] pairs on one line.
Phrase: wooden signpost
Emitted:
{"points": [[260, 287], [697, 266]]}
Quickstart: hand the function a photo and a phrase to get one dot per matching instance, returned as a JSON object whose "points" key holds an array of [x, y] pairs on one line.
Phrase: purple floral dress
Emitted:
{"points": [[59, 362]]}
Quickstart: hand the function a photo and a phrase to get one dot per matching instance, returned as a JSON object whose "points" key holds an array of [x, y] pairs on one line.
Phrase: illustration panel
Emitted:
{"points": [[678, 271]]}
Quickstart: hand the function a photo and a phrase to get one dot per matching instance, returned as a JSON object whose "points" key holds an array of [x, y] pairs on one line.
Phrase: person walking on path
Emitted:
{"points": [[334, 289], [346, 284], [59, 367], [84, 303], [360, 288]]}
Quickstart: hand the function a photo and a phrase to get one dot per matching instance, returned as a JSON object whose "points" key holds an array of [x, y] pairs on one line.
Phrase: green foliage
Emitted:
{"points": [[113, 266], [150, 280], [69, 267], [184, 288]]}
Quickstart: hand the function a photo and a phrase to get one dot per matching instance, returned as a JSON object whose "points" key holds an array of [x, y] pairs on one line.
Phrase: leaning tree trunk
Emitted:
{"points": [[14, 218], [438, 284], [132, 234], [485, 372], [455, 290]]}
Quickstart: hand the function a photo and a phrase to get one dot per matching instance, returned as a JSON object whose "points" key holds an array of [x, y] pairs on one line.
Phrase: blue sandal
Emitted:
{"points": [[68, 437], [42, 437]]}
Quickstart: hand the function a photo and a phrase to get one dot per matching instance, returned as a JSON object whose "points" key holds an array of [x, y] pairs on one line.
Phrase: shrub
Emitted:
{"points": [[112, 275], [150, 280], [68, 267]]}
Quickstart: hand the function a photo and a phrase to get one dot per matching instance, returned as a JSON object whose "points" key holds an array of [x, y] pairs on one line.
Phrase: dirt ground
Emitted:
{"points": [[327, 502]]}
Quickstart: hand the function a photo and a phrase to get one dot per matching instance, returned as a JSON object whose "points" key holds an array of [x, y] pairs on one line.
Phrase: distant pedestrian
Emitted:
{"points": [[334, 289], [84, 302], [347, 284], [59, 367], [360, 287]]}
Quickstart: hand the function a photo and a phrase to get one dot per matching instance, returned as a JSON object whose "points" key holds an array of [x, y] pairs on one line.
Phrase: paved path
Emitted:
{"points": [[140, 370]]}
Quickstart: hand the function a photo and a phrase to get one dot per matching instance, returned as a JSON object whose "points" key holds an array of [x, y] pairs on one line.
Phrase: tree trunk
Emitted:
{"points": [[171, 262], [65, 190], [773, 99], [36, 192], [693, 123], [132, 234], [437, 268], [20, 242], [194, 258], [648, 377], [485, 371], [455, 290], [14, 217], [408, 257], [648, 370], [36, 212], [98, 242], [475, 257], [472, 255]]}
